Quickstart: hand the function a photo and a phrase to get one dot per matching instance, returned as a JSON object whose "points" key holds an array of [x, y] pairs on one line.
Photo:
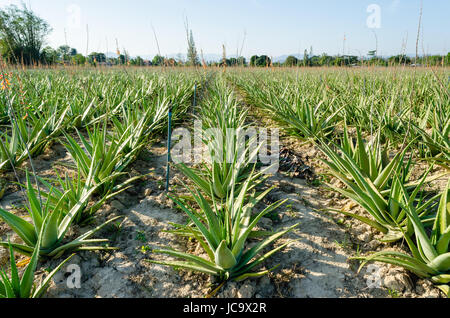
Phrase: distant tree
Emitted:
{"points": [[399, 60], [122, 59], [78, 59], [305, 58], [22, 34], [236, 61], [378, 61], [326, 60], [227, 62], [314, 61], [337, 61], [158, 60], [264, 60], [260, 61], [138, 61], [291, 61], [434, 60], [73, 52], [64, 53], [192, 56], [241, 61], [49, 56], [95, 58]]}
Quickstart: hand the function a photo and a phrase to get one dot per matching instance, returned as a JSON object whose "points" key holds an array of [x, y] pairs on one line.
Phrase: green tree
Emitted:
{"points": [[260, 61], [399, 60], [138, 61], [314, 61], [158, 60], [192, 56], [241, 61], [291, 61], [326, 60], [378, 61], [64, 53], [225, 62], [49, 56], [22, 34], [78, 59], [122, 59], [264, 60], [434, 60], [95, 58], [305, 58]]}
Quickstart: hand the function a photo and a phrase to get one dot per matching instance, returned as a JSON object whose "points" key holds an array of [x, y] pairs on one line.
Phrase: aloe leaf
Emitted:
{"points": [[209, 238], [186, 265], [248, 255], [26, 283], [441, 279], [15, 281], [441, 263], [363, 219], [191, 258], [38, 293], [255, 275], [25, 230], [238, 246]]}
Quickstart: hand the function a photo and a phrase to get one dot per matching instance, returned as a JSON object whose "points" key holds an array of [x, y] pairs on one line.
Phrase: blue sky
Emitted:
{"points": [[272, 27]]}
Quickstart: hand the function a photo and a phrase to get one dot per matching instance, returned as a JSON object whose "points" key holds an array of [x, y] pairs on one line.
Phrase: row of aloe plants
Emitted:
{"points": [[47, 103], [404, 104], [406, 122], [224, 192], [114, 141]]}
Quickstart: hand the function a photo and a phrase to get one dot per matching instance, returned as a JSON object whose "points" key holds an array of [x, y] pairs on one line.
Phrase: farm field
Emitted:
{"points": [[358, 205]]}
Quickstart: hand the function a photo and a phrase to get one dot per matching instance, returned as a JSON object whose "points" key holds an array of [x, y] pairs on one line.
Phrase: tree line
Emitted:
{"points": [[23, 33]]}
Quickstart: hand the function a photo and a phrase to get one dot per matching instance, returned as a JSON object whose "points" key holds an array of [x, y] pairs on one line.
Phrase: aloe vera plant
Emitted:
{"points": [[139, 121], [230, 156], [302, 116], [222, 230], [16, 287], [380, 197], [54, 222], [24, 138], [371, 158], [430, 252], [67, 192], [232, 167], [437, 141], [107, 156]]}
